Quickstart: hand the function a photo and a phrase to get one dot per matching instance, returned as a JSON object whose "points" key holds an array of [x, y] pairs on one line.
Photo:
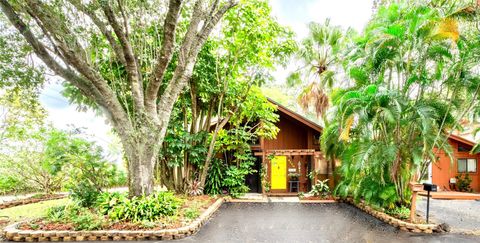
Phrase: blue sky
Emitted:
{"points": [[294, 13]]}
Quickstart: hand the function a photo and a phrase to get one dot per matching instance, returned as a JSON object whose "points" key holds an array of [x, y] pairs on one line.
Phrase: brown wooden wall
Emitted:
{"points": [[292, 135]]}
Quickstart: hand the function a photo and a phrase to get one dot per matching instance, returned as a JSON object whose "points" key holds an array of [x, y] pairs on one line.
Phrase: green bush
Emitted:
{"points": [[86, 220], [321, 189], [12, 184], [235, 180], [84, 192], [88, 173], [56, 214], [191, 213], [82, 218], [401, 212], [213, 186], [463, 183], [119, 207]]}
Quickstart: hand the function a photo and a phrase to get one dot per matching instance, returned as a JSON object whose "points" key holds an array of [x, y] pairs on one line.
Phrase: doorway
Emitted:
{"points": [[252, 180]]}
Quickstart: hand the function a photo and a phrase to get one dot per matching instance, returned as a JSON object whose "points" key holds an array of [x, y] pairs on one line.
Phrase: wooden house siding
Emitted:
{"points": [[444, 168], [297, 139]]}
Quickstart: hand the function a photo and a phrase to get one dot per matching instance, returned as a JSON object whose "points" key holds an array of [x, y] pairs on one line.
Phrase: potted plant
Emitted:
{"points": [[294, 176]]}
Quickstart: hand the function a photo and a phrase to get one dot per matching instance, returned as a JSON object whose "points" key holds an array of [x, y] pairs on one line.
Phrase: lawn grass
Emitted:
{"points": [[29, 211]]}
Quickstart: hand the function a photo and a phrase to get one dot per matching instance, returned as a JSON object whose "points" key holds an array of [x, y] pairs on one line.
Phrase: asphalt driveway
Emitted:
{"points": [[460, 215], [295, 222]]}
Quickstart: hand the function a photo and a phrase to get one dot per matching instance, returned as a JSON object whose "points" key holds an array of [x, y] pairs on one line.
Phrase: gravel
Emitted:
{"points": [[460, 215]]}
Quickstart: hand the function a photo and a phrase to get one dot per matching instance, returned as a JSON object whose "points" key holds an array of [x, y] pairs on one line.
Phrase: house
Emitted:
{"points": [[284, 163], [288, 159], [444, 171]]}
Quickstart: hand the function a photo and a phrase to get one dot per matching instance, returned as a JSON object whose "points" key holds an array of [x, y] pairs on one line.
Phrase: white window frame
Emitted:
{"points": [[467, 168]]}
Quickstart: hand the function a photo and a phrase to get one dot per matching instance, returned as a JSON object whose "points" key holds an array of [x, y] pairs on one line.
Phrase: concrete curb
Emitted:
{"points": [[318, 201], [402, 225], [233, 200], [12, 232]]}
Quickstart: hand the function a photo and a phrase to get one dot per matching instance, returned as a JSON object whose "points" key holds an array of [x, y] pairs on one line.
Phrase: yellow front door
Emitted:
{"points": [[279, 172]]}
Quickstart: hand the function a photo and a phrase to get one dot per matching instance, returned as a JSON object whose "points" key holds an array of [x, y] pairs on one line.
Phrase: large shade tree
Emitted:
{"points": [[133, 90]]}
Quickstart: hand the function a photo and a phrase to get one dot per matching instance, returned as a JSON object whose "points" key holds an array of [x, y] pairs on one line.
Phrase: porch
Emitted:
{"points": [[288, 172], [452, 195]]}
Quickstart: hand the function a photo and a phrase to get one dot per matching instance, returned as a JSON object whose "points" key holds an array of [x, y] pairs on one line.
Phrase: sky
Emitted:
{"points": [[294, 13]]}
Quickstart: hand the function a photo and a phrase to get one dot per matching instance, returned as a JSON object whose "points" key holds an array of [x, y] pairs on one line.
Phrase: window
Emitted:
{"points": [[463, 148], [467, 165]]}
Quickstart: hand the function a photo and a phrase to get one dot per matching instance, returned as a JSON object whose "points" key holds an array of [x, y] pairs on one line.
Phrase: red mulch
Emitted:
{"points": [[44, 225]]}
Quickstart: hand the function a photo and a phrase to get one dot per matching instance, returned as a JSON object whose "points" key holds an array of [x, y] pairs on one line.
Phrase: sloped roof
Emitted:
{"points": [[297, 116], [461, 139]]}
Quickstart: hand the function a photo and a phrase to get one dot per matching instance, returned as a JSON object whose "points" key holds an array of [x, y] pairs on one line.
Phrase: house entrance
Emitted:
{"points": [[252, 180]]}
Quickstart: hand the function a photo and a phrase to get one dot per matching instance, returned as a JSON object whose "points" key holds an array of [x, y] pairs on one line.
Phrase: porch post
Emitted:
{"points": [[266, 171]]}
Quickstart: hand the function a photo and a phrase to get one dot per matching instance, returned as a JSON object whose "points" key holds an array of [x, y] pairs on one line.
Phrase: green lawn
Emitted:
{"points": [[29, 211]]}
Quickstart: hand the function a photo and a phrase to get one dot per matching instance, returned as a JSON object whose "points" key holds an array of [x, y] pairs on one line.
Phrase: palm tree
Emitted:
{"points": [[319, 58], [415, 76]]}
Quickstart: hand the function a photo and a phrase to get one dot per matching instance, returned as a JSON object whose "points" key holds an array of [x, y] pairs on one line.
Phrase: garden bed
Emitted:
{"points": [[32, 199], [398, 223], [202, 203], [39, 230]]}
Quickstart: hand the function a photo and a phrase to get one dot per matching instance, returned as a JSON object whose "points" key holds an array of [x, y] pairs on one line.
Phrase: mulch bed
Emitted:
{"points": [[204, 202]]}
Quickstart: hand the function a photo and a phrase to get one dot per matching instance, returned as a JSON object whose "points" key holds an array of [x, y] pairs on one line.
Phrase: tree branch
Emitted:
{"points": [[100, 95], [166, 53], [131, 63], [103, 28]]}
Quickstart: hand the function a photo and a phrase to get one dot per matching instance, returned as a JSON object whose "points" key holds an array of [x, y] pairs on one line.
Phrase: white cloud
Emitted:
{"points": [[346, 13], [297, 14]]}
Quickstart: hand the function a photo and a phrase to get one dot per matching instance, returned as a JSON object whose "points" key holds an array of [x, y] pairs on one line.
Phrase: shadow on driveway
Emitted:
{"points": [[295, 222]]}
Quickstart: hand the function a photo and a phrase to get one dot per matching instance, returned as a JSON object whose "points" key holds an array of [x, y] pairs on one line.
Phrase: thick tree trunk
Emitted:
{"points": [[140, 167], [141, 150]]}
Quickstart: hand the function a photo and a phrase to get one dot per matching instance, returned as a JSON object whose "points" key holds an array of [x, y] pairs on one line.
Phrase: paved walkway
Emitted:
{"points": [[452, 195], [460, 215], [296, 222]]}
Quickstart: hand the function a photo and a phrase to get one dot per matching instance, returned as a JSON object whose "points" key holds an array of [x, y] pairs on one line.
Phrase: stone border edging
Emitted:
{"points": [[26, 201], [402, 225], [12, 232]]}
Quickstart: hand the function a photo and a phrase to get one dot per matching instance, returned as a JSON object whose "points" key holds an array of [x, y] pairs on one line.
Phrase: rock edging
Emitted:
{"points": [[12, 232], [26, 201], [402, 225]]}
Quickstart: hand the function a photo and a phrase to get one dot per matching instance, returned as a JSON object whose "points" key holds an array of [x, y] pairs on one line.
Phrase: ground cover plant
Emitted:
{"points": [[160, 210]]}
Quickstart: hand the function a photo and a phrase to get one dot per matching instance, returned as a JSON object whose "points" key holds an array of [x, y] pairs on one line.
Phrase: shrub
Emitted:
{"points": [[87, 172], [12, 184], [148, 208], [191, 213], [235, 181], [213, 186], [463, 182], [401, 212], [320, 189], [56, 214], [82, 218], [84, 192], [86, 220]]}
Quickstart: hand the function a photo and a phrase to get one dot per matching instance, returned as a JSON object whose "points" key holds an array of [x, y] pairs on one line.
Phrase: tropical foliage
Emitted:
{"points": [[223, 106], [319, 55], [413, 78]]}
